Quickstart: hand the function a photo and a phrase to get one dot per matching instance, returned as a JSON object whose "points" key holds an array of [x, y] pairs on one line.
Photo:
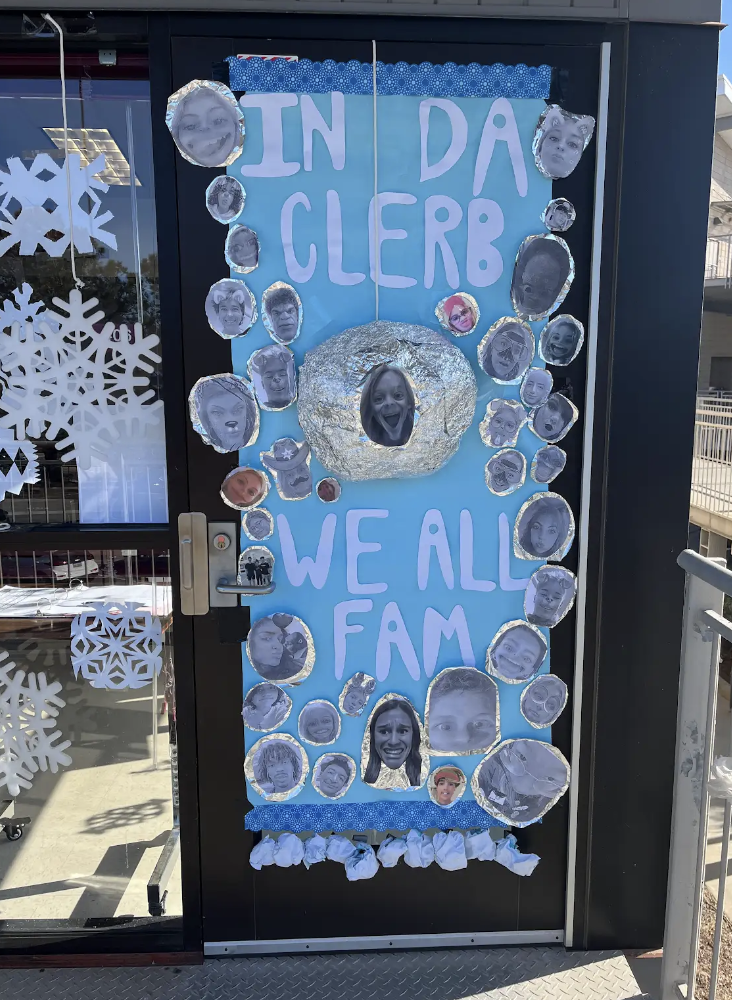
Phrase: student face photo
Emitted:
{"points": [[272, 371], [536, 386], [503, 420], [521, 780], [554, 419], [542, 276], [505, 472], [277, 767], [561, 340], [516, 653], [280, 648], [506, 350], [391, 755], [266, 707], [206, 123], [446, 786], [319, 723], [549, 595], [244, 488], [230, 308], [282, 312], [289, 461], [242, 249], [225, 199], [547, 463], [328, 490], [356, 693], [559, 215], [223, 411], [333, 775], [387, 406], [258, 524], [543, 701], [255, 567], [461, 715], [544, 528], [459, 314], [560, 140]]}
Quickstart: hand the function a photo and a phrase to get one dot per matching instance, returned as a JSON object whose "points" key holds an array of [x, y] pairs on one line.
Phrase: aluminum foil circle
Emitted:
{"points": [[520, 781], [333, 379]]}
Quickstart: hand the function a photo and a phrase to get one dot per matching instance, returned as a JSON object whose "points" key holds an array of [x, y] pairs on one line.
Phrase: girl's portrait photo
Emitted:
{"points": [[231, 309], [544, 700], [391, 757], [549, 595], [554, 419], [506, 350], [266, 707], [280, 648], [520, 780], [225, 198], [282, 312], [544, 528], [255, 568], [536, 386], [244, 488], [458, 314], [446, 786], [328, 490], [505, 472], [258, 524], [542, 276], [559, 215], [206, 123], [387, 406], [319, 723], [224, 412], [560, 140], [241, 249], [561, 340], [356, 693], [461, 715], [502, 422], [547, 463], [333, 775], [277, 767], [516, 652], [272, 371]]}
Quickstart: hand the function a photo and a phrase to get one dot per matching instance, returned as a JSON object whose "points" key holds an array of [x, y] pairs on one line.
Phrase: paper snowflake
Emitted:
{"points": [[18, 463], [29, 739], [64, 376], [33, 205], [116, 646]]}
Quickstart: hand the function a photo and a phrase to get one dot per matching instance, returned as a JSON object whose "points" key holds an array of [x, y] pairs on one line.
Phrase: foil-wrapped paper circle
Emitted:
{"points": [[266, 707], [206, 123], [333, 775], [393, 755], [549, 595], [520, 780], [344, 381], [559, 215], [225, 199], [244, 488], [462, 714], [553, 420], [458, 314], [505, 472], [560, 140], [547, 463], [255, 567], [544, 700], [272, 371], [544, 528], [276, 767], [446, 785], [223, 411], [319, 723], [289, 462], [542, 276], [231, 309], [257, 524], [502, 423], [561, 340], [535, 387], [355, 694], [241, 250], [507, 350], [282, 312], [516, 652], [328, 490], [280, 647]]}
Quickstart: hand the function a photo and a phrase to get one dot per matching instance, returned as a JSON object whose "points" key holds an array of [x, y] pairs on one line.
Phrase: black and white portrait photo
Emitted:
{"points": [[356, 693], [507, 350], [328, 490], [244, 487], [544, 700], [392, 750], [516, 652], [461, 714], [561, 340], [319, 723], [231, 309], [280, 648], [225, 198], [560, 140], [266, 707], [289, 461], [282, 312], [554, 419], [333, 775], [255, 568], [521, 780], [559, 215], [458, 314], [206, 123], [277, 767], [387, 406], [258, 524], [446, 786], [502, 422], [224, 412], [505, 472], [544, 528], [535, 387], [272, 371], [547, 463], [549, 595], [241, 249], [542, 276]]}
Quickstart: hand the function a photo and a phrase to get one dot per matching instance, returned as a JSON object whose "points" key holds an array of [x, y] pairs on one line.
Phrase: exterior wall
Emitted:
{"points": [[716, 342]]}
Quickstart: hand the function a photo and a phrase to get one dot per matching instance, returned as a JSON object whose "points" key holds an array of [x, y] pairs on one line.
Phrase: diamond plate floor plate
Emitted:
{"points": [[441, 974]]}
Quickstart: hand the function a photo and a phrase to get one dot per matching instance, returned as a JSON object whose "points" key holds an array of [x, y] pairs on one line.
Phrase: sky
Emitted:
{"points": [[725, 41]]}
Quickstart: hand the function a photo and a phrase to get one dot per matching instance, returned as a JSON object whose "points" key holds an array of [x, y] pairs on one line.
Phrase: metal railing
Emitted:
{"points": [[718, 262], [711, 476]]}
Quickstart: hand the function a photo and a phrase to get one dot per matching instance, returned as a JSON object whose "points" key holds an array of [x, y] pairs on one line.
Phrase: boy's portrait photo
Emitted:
{"points": [[255, 568], [560, 140], [506, 350], [536, 386], [266, 707], [289, 460], [542, 276], [225, 198], [461, 714], [387, 406], [561, 340], [502, 422], [224, 412], [280, 648], [544, 700], [391, 757], [206, 123], [272, 371], [319, 723], [559, 215], [554, 419], [258, 524], [333, 775], [231, 309], [458, 314], [356, 693], [521, 780], [547, 463], [328, 490], [282, 312], [244, 488], [277, 766], [549, 595], [446, 786], [505, 472], [544, 528], [516, 652], [241, 249]]}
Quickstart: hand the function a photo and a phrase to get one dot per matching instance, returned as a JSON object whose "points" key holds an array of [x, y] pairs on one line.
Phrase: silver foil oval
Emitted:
{"points": [[280, 647], [549, 595], [257, 524], [407, 775], [230, 190], [516, 652], [553, 420], [328, 490], [453, 785], [561, 340], [462, 714], [542, 276], [505, 472], [239, 486], [333, 379], [223, 411], [255, 567], [544, 518], [547, 463], [355, 694], [231, 309], [241, 249], [279, 711], [520, 780], [559, 215], [326, 778], [544, 700], [458, 314], [319, 723], [507, 350], [536, 387], [272, 371], [273, 762], [560, 140], [282, 312], [502, 423], [206, 123], [289, 462]]}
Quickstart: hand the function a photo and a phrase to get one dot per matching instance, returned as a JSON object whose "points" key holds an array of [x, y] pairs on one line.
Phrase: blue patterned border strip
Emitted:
{"points": [[420, 815], [449, 80]]}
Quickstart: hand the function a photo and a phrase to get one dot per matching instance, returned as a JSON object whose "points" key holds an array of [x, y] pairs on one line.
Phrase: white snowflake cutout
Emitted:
{"points": [[18, 463], [117, 646]]}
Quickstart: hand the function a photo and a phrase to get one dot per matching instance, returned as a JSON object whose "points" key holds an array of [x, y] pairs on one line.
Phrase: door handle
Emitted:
{"points": [[224, 587], [193, 551]]}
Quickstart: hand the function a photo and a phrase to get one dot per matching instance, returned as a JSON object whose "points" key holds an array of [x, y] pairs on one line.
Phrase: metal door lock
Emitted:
{"points": [[221, 542]]}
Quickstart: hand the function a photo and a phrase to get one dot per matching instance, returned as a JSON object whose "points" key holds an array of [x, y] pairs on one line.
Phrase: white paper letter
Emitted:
{"points": [[387, 280], [335, 135], [399, 637], [341, 629], [458, 140], [437, 539], [434, 236], [334, 227], [504, 557], [294, 269], [355, 547], [298, 569], [467, 580], [508, 133], [435, 626], [273, 163], [481, 233]]}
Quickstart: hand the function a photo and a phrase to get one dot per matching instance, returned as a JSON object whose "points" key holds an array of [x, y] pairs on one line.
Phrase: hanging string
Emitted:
{"points": [[69, 197], [377, 249]]}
